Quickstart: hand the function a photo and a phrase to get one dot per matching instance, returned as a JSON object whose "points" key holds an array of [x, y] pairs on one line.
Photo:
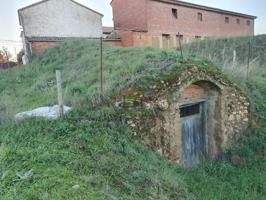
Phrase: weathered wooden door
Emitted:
{"points": [[193, 133]]}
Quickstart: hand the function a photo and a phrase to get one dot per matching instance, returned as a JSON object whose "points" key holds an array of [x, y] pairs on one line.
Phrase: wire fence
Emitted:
{"points": [[239, 57], [91, 71]]}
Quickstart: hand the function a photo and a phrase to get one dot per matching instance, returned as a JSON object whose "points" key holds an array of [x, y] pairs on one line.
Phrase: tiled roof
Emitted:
{"points": [[107, 29]]}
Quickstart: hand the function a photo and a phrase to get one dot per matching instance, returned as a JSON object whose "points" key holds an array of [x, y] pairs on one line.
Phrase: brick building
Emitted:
{"points": [[161, 23], [48, 22]]}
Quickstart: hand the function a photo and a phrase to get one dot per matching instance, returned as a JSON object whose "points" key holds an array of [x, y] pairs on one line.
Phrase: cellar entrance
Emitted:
{"points": [[193, 117], [200, 118], [194, 140]]}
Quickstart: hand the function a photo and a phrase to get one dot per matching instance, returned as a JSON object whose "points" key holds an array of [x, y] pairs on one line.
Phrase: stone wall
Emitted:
{"points": [[158, 125]]}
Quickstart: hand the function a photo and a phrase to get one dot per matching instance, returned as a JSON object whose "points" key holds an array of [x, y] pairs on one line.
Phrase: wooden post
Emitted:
{"points": [[59, 92], [249, 56]]}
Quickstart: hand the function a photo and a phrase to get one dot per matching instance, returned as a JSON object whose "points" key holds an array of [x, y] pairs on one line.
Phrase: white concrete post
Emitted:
{"points": [[234, 58], [59, 92]]}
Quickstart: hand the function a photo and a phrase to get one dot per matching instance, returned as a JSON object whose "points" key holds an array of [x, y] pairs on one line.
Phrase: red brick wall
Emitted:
{"points": [[157, 18], [38, 47], [192, 92], [113, 42], [132, 38], [140, 38], [127, 38], [129, 14], [161, 20]]}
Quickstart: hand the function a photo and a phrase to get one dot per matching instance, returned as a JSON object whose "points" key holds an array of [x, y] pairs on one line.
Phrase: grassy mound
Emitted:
{"points": [[91, 153], [79, 61]]}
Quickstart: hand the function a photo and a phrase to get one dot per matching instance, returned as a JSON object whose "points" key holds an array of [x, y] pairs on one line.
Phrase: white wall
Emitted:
{"points": [[61, 18]]}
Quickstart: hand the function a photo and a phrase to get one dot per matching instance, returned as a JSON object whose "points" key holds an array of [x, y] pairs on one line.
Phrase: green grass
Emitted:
{"points": [[94, 149], [79, 61], [221, 52], [90, 149]]}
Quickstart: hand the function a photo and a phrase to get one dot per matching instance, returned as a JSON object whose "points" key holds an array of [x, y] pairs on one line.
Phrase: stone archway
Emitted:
{"points": [[200, 118], [198, 106], [223, 108]]}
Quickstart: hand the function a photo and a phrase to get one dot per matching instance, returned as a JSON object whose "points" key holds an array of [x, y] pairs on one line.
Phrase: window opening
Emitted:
{"points": [[190, 110], [174, 13], [226, 20], [200, 18]]}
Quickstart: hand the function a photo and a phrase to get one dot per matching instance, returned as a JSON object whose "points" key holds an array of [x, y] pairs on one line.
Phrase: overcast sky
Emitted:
{"points": [[10, 30]]}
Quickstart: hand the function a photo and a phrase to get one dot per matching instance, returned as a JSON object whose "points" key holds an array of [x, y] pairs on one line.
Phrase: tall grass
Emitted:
{"points": [[33, 85], [88, 155], [91, 154], [232, 54], [243, 59]]}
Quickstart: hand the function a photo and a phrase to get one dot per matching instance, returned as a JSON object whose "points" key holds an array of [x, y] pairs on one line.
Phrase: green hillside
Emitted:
{"points": [[92, 154], [79, 60]]}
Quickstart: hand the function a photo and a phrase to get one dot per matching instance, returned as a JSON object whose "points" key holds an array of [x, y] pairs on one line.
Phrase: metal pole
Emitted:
{"points": [[101, 68], [59, 92]]}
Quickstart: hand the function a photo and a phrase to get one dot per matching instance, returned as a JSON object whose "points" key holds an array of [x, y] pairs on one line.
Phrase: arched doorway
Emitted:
{"points": [[200, 118], [204, 104]]}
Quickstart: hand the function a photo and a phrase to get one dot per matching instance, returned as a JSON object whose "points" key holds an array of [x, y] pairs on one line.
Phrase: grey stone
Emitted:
{"points": [[47, 112]]}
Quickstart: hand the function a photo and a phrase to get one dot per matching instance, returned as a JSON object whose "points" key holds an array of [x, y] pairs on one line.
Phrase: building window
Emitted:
{"points": [[248, 22], [200, 18], [238, 21], [174, 13], [226, 20]]}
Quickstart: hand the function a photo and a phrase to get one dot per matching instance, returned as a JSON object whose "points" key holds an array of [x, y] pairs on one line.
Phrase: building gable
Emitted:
{"points": [[60, 18], [44, 1]]}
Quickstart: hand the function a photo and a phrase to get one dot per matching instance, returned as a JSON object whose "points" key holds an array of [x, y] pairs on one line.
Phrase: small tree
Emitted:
{"points": [[5, 54]]}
